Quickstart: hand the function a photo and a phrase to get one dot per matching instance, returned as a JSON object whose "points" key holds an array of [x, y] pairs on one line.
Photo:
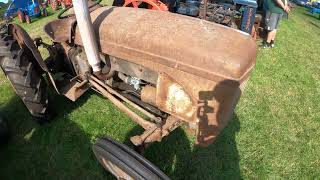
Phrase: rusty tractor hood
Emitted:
{"points": [[188, 44]]}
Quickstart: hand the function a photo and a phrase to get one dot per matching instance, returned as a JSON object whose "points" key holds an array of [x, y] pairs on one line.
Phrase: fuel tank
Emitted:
{"points": [[202, 66]]}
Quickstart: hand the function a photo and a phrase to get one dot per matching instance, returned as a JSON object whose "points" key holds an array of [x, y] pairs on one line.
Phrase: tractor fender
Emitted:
{"points": [[61, 30], [24, 39]]}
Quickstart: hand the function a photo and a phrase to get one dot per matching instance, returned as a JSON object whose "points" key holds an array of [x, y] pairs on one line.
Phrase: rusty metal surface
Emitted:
{"points": [[214, 102], [215, 110], [184, 43], [60, 30], [24, 39], [75, 89], [157, 133], [148, 95], [133, 69], [204, 63], [152, 132], [136, 118], [149, 115], [171, 97]]}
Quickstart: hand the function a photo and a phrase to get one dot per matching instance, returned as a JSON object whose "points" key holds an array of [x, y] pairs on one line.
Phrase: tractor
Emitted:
{"points": [[162, 69], [238, 14], [56, 3], [25, 10]]}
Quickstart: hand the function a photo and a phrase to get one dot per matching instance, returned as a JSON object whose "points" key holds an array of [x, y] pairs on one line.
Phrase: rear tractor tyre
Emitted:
{"points": [[25, 77], [123, 162], [21, 16]]}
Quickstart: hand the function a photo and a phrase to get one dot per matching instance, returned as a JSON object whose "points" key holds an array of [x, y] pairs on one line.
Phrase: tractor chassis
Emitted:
{"points": [[74, 87]]}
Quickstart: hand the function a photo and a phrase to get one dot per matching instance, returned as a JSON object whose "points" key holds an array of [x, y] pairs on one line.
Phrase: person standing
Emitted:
{"points": [[274, 13]]}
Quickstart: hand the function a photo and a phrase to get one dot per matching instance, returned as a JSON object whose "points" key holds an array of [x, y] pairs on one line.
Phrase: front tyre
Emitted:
{"points": [[123, 162]]}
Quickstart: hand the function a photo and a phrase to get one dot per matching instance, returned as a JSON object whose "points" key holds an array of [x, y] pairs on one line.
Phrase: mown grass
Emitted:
{"points": [[274, 133]]}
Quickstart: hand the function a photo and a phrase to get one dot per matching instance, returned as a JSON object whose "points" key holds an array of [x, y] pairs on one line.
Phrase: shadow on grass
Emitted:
{"points": [[56, 150], [312, 16], [180, 159], [62, 150], [314, 24]]}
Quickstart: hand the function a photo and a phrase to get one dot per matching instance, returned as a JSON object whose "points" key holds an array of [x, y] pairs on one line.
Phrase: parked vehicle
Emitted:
{"points": [[184, 72], [238, 14], [25, 9], [316, 4], [56, 3], [301, 2]]}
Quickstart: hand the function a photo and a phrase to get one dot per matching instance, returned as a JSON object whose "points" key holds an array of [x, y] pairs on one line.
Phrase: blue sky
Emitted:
{"points": [[4, 1]]}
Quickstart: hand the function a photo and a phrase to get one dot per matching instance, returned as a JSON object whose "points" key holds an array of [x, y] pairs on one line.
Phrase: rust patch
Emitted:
{"points": [[171, 97], [178, 101]]}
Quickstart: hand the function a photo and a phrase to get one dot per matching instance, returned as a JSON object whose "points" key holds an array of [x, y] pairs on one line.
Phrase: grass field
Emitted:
{"points": [[274, 133]]}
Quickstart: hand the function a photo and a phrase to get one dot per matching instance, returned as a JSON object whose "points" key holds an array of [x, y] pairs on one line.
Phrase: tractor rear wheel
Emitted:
{"points": [[123, 162], [28, 20], [17, 62], [54, 4], [21, 16]]}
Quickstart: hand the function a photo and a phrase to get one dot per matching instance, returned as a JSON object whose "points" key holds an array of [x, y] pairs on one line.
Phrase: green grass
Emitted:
{"points": [[274, 133]]}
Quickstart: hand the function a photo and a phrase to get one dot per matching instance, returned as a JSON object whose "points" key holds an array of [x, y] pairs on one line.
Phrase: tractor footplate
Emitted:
{"points": [[75, 89]]}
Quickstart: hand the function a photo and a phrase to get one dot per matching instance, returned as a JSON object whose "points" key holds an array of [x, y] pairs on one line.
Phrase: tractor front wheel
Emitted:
{"points": [[18, 64], [123, 162], [21, 16]]}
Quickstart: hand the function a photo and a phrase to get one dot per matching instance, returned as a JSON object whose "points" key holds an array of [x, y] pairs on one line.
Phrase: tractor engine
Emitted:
{"points": [[221, 14], [161, 69], [130, 80]]}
